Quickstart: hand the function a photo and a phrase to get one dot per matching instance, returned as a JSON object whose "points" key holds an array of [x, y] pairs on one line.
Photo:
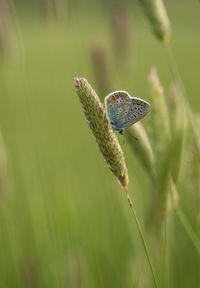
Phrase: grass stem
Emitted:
{"points": [[166, 255], [177, 77], [143, 240], [188, 228]]}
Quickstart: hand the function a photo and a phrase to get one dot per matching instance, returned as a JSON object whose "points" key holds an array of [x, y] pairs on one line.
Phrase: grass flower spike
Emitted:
{"points": [[101, 129], [108, 145], [99, 59], [141, 146], [158, 18], [160, 110]]}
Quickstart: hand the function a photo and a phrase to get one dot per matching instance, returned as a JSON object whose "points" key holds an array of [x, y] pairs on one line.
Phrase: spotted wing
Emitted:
{"points": [[118, 105], [137, 110]]}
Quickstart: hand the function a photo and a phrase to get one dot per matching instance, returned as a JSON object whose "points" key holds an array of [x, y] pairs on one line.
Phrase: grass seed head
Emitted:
{"points": [[160, 115], [101, 68], [158, 18], [121, 29], [140, 143], [99, 124]]}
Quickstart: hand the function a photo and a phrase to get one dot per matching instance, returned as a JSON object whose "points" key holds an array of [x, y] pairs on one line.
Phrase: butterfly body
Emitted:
{"points": [[124, 110]]}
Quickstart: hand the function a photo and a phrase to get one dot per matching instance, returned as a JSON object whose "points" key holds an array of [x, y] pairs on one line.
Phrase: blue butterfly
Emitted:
{"points": [[124, 110]]}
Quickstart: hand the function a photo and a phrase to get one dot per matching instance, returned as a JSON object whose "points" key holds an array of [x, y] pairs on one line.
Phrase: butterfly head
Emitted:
{"points": [[121, 131]]}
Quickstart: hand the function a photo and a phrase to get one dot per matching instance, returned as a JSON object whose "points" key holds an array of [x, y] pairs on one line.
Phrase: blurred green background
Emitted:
{"points": [[64, 220]]}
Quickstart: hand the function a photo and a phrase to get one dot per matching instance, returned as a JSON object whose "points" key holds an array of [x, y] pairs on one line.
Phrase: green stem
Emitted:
{"points": [[188, 228], [174, 68], [177, 77], [166, 252], [143, 240]]}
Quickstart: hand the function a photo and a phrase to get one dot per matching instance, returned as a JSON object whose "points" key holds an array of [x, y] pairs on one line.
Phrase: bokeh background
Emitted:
{"points": [[64, 220]]}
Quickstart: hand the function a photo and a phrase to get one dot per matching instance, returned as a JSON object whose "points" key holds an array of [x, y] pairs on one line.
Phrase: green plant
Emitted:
{"points": [[108, 145]]}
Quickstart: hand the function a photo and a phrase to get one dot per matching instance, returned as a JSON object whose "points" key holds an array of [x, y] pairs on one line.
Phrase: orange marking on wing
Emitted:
{"points": [[117, 95], [113, 97], [108, 101]]}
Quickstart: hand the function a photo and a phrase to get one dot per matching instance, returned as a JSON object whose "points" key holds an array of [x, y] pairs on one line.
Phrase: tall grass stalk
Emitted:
{"points": [[177, 77], [167, 264], [188, 228], [109, 146], [157, 15], [183, 218], [144, 245], [100, 126], [142, 148], [101, 68]]}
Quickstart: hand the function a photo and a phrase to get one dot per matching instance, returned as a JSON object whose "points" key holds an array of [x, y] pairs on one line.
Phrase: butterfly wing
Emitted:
{"points": [[124, 110], [118, 106], [137, 110]]}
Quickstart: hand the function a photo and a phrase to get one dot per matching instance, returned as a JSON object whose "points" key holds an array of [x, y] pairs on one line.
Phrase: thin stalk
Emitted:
{"points": [[188, 228], [166, 252], [177, 77], [142, 238], [174, 68]]}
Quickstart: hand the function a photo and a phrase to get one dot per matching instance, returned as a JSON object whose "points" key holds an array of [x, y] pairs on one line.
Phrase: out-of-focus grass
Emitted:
{"points": [[64, 221]]}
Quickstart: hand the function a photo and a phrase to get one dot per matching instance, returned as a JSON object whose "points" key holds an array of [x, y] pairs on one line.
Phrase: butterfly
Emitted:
{"points": [[124, 110]]}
